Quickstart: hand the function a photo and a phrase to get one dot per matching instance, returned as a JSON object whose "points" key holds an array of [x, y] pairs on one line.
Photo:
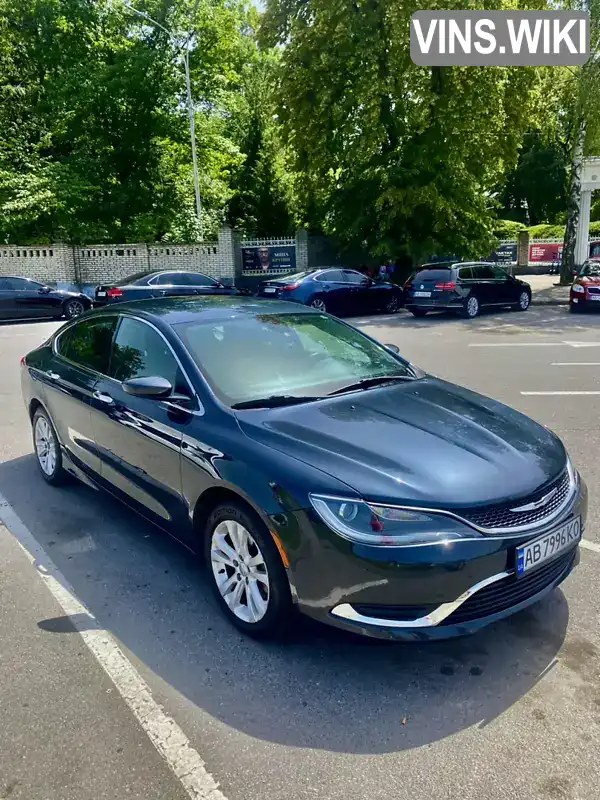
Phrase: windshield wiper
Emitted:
{"points": [[275, 400], [368, 383]]}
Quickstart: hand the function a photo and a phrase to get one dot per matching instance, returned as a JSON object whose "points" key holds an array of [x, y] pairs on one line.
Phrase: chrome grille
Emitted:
{"points": [[500, 516]]}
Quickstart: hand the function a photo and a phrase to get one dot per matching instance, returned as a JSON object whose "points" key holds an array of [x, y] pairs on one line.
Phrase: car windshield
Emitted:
{"points": [[246, 358], [590, 270]]}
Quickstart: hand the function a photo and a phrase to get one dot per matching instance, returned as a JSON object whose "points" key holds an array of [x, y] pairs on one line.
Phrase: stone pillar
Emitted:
{"points": [[583, 230], [523, 249], [301, 249], [227, 253]]}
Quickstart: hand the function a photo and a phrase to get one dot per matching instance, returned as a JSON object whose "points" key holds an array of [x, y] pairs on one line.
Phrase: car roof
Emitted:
{"points": [[177, 310], [450, 264]]}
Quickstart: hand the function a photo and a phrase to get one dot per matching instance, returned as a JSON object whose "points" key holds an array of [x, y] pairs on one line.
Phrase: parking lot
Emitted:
{"points": [[514, 711]]}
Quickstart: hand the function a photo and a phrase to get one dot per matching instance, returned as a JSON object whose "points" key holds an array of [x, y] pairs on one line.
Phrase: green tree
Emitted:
{"points": [[393, 155]]}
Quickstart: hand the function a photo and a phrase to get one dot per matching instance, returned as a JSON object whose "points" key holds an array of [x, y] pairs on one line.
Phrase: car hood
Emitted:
{"points": [[424, 442], [587, 279]]}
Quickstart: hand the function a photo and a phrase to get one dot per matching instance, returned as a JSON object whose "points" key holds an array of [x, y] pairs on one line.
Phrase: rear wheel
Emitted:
{"points": [[523, 301], [418, 312], [319, 304], [246, 572], [471, 307], [47, 449], [392, 305]]}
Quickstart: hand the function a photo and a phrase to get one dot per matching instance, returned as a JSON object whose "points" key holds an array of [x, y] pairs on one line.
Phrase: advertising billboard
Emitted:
{"points": [[268, 259]]}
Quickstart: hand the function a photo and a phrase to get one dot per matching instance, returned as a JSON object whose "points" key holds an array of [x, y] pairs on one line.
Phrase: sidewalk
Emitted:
{"points": [[545, 292]]}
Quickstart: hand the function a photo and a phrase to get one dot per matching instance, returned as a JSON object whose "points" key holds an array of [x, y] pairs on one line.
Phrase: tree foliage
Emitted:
{"points": [[393, 155]]}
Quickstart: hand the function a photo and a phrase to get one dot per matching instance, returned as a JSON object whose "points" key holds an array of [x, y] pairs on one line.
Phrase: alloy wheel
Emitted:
{"points": [[45, 446], [319, 305], [74, 308], [524, 301], [240, 571], [393, 305], [472, 307]]}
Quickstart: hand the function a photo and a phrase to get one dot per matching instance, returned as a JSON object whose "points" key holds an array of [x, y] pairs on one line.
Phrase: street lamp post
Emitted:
{"points": [[189, 104]]}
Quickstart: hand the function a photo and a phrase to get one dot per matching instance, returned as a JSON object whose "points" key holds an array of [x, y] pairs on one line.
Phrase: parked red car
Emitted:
{"points": [[585, 291]]}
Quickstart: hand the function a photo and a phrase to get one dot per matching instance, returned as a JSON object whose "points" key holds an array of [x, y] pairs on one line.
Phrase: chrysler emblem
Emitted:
{"points": [[421, 286], [537, 503]]}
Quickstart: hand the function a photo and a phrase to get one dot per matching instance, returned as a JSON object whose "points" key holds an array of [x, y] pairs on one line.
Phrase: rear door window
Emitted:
{"points": [[88, 343], [483, 272]]}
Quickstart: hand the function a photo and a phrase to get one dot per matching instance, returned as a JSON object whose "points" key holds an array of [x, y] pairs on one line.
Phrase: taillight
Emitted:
{"points": [[114, 292], [290, 287], [446, 287], [22, 361]]}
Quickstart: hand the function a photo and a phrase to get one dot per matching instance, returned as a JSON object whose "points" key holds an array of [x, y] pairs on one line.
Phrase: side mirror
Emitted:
{"points": [[153, 387], [393, 348], [45, 290], [226, 282]]}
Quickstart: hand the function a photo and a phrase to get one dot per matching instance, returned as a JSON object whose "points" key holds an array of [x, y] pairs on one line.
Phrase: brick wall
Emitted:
{"points": [[45, 263], [86, 266]]}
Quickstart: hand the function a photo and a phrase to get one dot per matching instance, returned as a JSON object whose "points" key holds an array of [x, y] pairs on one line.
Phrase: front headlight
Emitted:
{"points": [[578, 288], [367, 523]]}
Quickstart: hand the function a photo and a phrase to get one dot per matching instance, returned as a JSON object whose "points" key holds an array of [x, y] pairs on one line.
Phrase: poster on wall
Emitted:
{"points": [[268, 260], [505, 254], [545, 253]]}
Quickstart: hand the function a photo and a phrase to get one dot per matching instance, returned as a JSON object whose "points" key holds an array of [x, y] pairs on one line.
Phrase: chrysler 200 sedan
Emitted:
{"points": [[313, 467]]}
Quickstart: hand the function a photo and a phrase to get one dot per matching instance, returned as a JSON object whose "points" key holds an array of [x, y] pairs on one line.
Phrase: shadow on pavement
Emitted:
{"points": [[324, 689], [537, 319]]}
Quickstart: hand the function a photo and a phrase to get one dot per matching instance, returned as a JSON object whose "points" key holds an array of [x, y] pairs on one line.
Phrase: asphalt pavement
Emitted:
{"points": [[513, 711]]}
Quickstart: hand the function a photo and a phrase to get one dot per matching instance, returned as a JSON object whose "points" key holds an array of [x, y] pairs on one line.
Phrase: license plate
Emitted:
{"points": [[269, 290], [546, 547], [421, 294], [595, 297], [100, 294]]}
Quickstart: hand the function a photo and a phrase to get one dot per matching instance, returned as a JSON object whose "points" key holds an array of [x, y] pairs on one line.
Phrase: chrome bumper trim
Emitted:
{"points": [[347, 612]]}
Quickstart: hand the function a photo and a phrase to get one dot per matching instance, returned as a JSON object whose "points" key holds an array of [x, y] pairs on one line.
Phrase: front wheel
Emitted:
{"points": [[73, 308], [575, 309], [471, 307], [319, 304], [523, 302], [47, 449], [246, 573]]}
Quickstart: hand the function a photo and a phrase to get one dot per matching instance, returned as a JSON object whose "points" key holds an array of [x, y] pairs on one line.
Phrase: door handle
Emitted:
{"points": [[54, 376], [104, 398]]}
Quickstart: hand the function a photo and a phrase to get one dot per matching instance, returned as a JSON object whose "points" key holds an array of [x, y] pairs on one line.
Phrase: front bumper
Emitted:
{"points": [[420, 592]]}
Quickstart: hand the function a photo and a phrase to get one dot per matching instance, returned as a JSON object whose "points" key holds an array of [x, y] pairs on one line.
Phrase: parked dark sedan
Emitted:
{"points": [[22, 298], [338, 291], [465, 288], [163, 283], [312, 466]]}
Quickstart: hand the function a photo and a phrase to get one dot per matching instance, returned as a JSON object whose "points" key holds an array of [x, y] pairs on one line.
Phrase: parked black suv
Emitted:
{"points": [[465, 288]]}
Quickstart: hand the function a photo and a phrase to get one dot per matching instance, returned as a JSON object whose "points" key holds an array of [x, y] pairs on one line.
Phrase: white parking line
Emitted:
{"points": [[164, 733], [558, 394], [534, 344], [575, 364]]}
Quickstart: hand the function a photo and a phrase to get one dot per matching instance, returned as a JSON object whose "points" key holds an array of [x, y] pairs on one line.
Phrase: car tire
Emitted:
{"points": [[523, 302], [74, 308], [244, 565], [47, 449], [418, 312], [319, 304], [392, 306], [471, 307], [575, 309]]}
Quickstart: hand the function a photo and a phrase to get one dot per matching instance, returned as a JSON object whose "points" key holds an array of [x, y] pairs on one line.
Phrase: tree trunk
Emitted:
{"points": [[567, 266]]}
